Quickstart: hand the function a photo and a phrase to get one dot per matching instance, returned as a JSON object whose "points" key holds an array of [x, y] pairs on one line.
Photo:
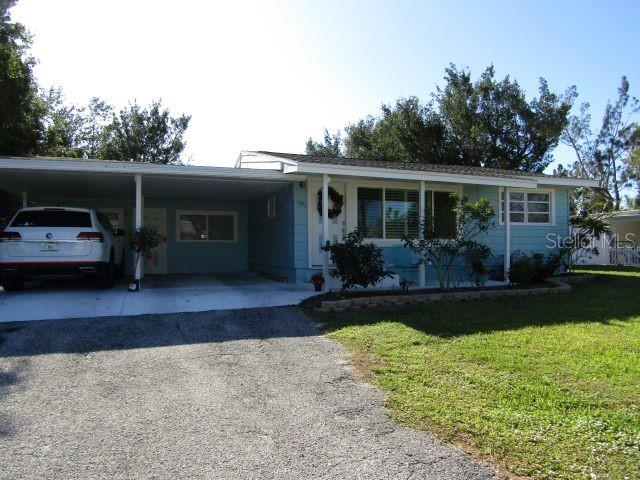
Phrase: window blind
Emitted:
{"points": [[401, 215]]}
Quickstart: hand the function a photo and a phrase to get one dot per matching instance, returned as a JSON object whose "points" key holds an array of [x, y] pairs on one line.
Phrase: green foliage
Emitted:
{"points": [[408, 132], [357, 263], [332, 146], [144, 240], [607, 156], [445, 254], [487, 123], [21, 110], [581, 243], [42, 123], [476, 257], [544, 387], [492, 124], [145, 134], [535, 268], [142, 134]]}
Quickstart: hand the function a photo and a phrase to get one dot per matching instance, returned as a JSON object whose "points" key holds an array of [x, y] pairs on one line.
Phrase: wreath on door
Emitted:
{"points": [[336, 198]]}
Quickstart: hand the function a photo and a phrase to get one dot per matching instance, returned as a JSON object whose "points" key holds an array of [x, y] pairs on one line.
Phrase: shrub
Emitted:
{"points": [[585, 230], [535, 268], [357, 263], [445, 254], [475, 257]]}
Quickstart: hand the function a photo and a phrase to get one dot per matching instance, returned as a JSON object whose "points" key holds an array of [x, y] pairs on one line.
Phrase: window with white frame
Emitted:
{"points": [[527, 207], [271, 207], [391, 213], [207, 226]]}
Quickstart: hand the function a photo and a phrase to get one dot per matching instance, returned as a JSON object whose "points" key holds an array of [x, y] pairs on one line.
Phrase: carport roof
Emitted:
{"points": [[50, 177]]}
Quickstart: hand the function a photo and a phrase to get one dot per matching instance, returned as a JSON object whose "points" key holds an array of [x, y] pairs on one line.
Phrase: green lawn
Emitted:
{"points": [[546, 387]]}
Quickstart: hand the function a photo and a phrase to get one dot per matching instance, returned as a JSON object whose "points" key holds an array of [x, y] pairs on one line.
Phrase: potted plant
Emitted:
{"points": [[145, 239], [317, 280]]}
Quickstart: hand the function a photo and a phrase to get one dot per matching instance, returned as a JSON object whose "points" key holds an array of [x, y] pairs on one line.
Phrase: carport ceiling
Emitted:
{"points": [[122, 186]]}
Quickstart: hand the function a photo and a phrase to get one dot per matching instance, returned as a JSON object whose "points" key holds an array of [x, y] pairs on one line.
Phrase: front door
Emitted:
{"points": [[337, 225], [156, 218]]}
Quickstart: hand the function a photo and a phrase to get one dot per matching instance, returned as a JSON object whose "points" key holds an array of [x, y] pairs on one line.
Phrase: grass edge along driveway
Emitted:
{"points": [[543, 387]]}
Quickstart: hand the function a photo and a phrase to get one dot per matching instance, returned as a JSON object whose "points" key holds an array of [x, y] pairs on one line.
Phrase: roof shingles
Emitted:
{"points": [[418, 167]]}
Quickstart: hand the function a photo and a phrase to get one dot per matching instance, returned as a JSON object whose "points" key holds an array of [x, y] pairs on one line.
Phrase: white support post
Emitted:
{"points": [[507, 236], [25, 202], [325, 228], [421, 227], [138, 221]]}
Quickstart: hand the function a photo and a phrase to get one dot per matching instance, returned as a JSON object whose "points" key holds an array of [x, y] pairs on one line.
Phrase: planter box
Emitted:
{"points": [[391, 300]]}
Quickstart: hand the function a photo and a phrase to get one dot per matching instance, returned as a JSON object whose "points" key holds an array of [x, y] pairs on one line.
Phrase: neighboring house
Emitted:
{"points": [[622, 246], [263, 214]]}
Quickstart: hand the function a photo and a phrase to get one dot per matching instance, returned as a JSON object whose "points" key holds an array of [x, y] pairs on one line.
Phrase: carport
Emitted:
{"points": [[186, 203]]}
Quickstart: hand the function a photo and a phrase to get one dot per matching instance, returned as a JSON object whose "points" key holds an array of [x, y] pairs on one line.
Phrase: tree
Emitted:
{"points": [[408, 132], [487, 123], [606, 157], [21, 111], [145, 134], [331, 147], [491, 124], [445, 254]]}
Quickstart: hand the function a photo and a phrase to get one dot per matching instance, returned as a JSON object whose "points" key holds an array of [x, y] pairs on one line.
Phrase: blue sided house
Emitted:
{"points": [[265, 214]]}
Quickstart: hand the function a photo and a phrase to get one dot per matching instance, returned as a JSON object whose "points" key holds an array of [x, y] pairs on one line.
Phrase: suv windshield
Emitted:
{"points": [[52, 218]]}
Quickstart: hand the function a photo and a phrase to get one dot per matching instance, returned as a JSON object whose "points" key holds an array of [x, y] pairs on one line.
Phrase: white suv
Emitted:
{"points": [[41, 241]]}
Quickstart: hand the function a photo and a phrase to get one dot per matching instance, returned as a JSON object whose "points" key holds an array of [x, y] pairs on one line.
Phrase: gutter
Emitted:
{"points": [[71, 166]]}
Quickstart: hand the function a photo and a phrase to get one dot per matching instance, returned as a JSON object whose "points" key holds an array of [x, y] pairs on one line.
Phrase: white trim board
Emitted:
{"points": [[552, 206]]}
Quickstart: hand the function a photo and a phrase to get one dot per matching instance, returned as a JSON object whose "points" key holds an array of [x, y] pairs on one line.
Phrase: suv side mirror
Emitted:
{"points": [[120, 232]]}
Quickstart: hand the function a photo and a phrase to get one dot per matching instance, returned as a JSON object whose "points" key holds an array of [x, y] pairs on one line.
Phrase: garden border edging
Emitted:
{"points": [[562, 286]]}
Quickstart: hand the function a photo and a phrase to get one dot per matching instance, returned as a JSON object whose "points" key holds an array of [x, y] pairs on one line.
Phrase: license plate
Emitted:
{"points": [[49, 246]]}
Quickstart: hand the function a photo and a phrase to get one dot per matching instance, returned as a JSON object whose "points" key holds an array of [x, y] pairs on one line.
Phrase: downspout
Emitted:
{"points": [[325, 228], [507, 237]]}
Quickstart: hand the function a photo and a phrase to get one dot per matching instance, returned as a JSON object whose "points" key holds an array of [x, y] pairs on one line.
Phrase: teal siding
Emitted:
{"points": [[182, 257], [525, 238], [206, 257], [272, 241], [279, 245]]}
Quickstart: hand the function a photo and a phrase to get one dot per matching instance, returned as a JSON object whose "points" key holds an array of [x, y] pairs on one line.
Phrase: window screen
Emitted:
{"points": [[271, 207], [527, 207], [220, 227], [444, 216], [370, 212]]}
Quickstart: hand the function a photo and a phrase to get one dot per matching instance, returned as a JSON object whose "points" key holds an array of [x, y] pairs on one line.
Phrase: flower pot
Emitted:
{"points": [[134, 286], [317, 287]]}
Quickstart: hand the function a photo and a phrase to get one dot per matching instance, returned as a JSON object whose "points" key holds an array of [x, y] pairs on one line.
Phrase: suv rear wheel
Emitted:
{"points": [[12, 285], [105, 277]]}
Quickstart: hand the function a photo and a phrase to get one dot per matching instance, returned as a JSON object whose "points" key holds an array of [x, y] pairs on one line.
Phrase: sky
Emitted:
{"points": [[267, 75]]}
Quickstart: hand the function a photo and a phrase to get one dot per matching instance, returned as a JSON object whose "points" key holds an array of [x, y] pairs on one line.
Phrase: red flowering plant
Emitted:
{"points": [[317, 279], [145, 239]]}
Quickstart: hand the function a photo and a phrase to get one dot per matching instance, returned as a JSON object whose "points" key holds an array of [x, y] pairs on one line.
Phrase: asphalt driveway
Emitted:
{"points": [[227, 394]]}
